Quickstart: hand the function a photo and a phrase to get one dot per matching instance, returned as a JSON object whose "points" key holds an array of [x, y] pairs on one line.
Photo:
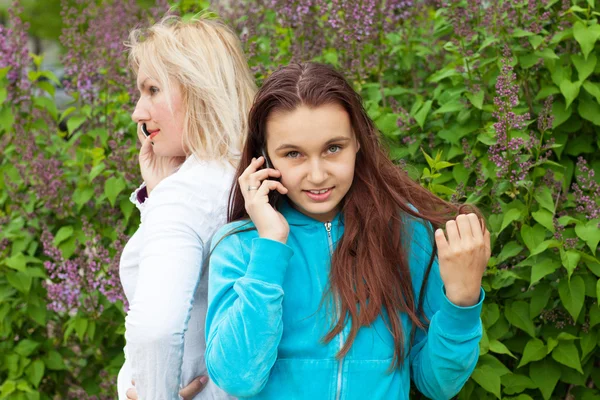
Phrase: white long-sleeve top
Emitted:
{"points": [[163, 273]]}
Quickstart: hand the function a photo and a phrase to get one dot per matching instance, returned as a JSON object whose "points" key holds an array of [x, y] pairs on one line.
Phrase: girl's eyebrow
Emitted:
{"points": [[293, 146], [141, 86]]}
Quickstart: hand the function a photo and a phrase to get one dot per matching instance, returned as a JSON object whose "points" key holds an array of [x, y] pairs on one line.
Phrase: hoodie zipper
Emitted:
{"points": [[341, 339]]}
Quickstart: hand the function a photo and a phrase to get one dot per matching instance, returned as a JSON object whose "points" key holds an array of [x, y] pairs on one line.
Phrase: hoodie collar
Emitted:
{"points": [[295, 217]]}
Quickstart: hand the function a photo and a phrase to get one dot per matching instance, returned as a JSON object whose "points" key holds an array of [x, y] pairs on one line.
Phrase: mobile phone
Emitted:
{"points": [[274, 195], [145, 130]]}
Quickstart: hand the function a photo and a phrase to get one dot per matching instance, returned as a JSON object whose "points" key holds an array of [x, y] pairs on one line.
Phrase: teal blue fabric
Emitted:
{"points": [[267, 318]]}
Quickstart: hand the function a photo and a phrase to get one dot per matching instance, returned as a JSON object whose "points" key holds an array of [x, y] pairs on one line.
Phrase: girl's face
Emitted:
{"points": [[153, 110], [315, 151]]}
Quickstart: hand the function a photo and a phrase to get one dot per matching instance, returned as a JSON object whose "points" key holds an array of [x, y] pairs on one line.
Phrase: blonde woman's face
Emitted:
{"points": [[153, 110]]}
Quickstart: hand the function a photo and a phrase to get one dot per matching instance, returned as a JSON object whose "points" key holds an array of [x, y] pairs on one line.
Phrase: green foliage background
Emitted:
{"points": [[433, 84]]}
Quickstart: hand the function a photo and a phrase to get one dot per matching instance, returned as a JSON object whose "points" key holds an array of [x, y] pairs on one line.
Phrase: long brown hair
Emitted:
{"points": [[369, 268]]}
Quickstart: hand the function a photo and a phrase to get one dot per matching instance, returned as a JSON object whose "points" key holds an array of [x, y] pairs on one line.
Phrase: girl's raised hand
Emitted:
{"points": [[155, 168], [255, 187], [463, 256]]}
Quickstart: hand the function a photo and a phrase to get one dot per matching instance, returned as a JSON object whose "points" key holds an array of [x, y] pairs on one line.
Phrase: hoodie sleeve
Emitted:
{"points": [[244, 320], [442, 357]]}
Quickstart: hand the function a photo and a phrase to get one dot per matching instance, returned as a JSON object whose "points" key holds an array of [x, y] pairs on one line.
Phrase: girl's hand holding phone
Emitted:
{"points": [[154, 168], [463, 256], [255, 186]]}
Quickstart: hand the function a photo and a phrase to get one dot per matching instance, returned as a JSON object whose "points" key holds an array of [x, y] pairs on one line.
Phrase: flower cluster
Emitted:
{"points": [[507, 91], [586, 190], [14, 54], [75, 283]]}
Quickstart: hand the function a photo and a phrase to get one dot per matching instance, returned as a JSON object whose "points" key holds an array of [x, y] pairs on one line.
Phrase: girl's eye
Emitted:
{"points": [[153, 90], [334, 148], [293, 154]]}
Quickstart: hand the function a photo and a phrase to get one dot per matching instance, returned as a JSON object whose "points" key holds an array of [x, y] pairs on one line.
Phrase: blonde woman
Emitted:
{"points": [[195, 94]]}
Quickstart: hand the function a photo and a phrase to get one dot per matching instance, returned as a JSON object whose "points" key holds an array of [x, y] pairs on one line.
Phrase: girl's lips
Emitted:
{"points": [[154, 133], [319, 197]]}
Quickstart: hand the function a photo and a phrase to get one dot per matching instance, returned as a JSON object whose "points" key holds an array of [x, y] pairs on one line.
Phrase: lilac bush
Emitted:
{"points": [[491, 102]]}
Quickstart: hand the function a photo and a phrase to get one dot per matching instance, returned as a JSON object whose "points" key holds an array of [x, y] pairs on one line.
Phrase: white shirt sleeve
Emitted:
{"points": [[124, 378], [177, 220]]}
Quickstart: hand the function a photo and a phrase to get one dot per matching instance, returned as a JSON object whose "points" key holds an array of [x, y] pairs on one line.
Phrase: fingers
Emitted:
{"points": [[195, 387], [487, 243], [452, 232], [263, 174], [140, 134], [146, 147], [441, 242], [252, 168], [464, 227], [268, 185], [477, 226], [131, 394]]}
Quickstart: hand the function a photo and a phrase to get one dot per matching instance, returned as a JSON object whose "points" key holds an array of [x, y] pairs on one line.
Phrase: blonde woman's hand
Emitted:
{"points": [[255, 186], [155, 168], [188, 392], [463, 256]]}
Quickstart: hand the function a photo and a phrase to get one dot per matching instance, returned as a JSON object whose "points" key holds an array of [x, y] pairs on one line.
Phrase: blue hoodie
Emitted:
{"points": [[266, 322]]}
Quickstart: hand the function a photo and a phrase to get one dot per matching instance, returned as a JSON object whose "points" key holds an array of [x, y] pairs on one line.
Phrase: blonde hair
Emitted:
{"points": [[205, 58]]}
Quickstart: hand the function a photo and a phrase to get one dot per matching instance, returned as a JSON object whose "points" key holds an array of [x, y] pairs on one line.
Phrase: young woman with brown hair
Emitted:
{"points": [[342, 290]]}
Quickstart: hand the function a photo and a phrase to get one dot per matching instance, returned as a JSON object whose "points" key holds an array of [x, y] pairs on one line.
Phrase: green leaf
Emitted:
{"points": [[539, 299], [63, 234], [595, 312], [586, 36], [518, 315], [54, 361], [593, 89], [19, 280], [584, 67], [509, 250], [487, 378], [3, 94], [490, 314], [589, 342], [9, 386], [517, 383], [518, 33], [547, 54], [597, 293], [561, 113], [590, 233], [535, 41], [543, 196], [570, 259], [6, 119], [572, 294], [499, 348], [81, 325], [545, 374], [509, 217], [75, 122], [476, 99], [566, 353], [535, 350], [83, 195], [532, 236], [546, 91], [543, 268], [35, 372], [451, 106], [545, 218], [112, 187], [570, 90], [589, 110], [423, 112], [26, 347]]}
